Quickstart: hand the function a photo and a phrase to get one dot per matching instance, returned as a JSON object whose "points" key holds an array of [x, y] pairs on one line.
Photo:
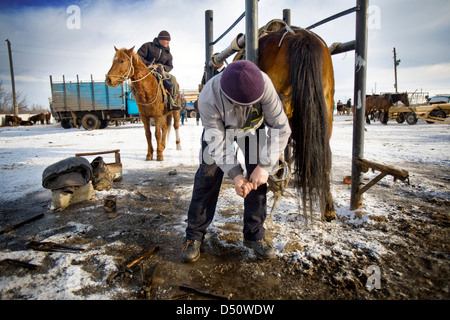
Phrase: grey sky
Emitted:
{"points": [[44, 45]]}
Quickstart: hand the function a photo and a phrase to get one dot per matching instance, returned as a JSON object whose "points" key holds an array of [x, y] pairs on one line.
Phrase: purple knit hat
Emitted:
{"points": [[242, 82]]}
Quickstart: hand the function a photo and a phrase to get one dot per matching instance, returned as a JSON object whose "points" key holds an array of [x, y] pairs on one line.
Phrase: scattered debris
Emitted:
{"points": [[19, 263], [204, 292], [147, 283], [6, 230], [110, 203], [53, 247], [128, 267]]}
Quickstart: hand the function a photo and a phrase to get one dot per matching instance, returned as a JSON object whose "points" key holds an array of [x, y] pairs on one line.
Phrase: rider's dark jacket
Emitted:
{"points": [[154, 52]]}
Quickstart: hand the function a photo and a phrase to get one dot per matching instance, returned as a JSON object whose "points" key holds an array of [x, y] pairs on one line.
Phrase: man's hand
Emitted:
{"points": [[242, 186], [258, 177]]}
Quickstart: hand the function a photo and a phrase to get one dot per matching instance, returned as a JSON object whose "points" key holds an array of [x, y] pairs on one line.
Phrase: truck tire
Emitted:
{"points": [[411, 118], [90, 122], [103, 124], [65, 123], [192, 114]]}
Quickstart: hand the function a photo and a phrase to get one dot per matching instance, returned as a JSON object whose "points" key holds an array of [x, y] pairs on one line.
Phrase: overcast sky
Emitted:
{"points": [[50, 38]]}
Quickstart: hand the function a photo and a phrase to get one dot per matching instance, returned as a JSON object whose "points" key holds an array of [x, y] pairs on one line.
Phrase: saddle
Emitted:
{"points": [[271, 26], [167, 88]]}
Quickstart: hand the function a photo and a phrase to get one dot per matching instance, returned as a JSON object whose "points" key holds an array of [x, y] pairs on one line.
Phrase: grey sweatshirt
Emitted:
{"points": [[225, 123]]}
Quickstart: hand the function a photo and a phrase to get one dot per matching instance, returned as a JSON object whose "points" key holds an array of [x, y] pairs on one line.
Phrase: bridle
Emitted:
{"points": [[127, 76]]}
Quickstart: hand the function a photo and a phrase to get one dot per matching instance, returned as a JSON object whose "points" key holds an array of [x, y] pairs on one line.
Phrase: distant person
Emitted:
{"points": [[183, 109], [349, 106]]}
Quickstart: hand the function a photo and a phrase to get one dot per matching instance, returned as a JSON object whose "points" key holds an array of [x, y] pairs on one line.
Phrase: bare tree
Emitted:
{"points": [[6, 101]]}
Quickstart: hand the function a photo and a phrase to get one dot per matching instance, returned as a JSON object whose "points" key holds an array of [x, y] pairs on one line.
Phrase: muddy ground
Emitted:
{"points": [[152, 211]]}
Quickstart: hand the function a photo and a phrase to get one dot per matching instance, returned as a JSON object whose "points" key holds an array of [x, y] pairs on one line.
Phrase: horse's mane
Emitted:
{"points": [[138, 60], [134, 56]]}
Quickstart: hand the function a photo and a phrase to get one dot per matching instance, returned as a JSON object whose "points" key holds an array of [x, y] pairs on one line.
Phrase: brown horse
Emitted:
{"points": [[402, 97], [149, 93], [300, 67], [382, 103], [38, 117]]}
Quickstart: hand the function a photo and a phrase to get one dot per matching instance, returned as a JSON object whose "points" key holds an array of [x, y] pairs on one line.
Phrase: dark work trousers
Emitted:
{"points": [[208, 181]]}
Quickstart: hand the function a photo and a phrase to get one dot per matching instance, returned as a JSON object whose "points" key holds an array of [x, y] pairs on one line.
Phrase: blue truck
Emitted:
{"points": [[91, 104]]}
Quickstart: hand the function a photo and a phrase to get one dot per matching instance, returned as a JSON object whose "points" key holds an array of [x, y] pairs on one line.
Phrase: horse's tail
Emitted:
{"points": [[309, 122]]}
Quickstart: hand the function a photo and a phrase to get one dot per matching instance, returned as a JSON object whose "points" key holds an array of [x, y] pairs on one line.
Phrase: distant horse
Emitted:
{"points": [[48, 117], [370, 106], [12, 120], [149, 93], [38, 117], [341, 108], [402, 97], [300, 67], [382, 103]]}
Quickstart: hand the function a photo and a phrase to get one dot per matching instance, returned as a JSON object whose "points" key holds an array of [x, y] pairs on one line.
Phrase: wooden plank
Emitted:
{"points": [[434, 119], [96, 153], [397, 173], [365, 165], [6, 230], [421, 109]]}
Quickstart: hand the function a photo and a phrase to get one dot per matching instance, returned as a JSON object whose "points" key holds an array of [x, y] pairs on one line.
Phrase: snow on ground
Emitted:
{"points": [[26, 151]]}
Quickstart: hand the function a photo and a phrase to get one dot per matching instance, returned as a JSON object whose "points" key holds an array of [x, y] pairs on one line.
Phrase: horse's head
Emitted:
{"points": [[122, 67], [404, 99]]}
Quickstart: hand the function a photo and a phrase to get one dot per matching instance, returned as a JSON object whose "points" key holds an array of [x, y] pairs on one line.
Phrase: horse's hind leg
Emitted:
{"points": [[328, 211], [148, 135], [176, 126]]}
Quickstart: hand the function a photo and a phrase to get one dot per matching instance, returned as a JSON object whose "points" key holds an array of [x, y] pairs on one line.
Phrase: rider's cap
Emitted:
{"points": [[164, 35], [242, 82]]}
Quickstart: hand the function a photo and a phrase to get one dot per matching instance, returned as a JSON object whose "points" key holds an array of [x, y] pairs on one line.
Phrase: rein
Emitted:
{"points": [[126, 76]]}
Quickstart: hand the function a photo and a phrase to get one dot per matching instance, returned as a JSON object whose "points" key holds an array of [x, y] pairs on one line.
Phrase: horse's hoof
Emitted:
{"points": [[159, 158], [149, 158], [329, 216], [178, 146]]}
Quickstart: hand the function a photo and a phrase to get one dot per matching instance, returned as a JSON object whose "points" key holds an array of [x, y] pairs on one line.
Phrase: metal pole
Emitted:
{"points": [[333, 17], [359, 101], [209, 72], [78, 93], [287, 16], [11, 67], [93, 93], [221, 57], [396, 63], [251, 30], [344, 47]]}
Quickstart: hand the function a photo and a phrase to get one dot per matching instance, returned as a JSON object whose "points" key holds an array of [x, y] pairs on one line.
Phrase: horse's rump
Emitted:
{"points": [[302, 56]]}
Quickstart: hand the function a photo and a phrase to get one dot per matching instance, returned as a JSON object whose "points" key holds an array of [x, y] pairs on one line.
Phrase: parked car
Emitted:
{"points": [[190, 110], [440, 99]]}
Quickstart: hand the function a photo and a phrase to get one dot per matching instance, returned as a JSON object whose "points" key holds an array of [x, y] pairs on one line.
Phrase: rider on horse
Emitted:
{"points": [[157, 55]]}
